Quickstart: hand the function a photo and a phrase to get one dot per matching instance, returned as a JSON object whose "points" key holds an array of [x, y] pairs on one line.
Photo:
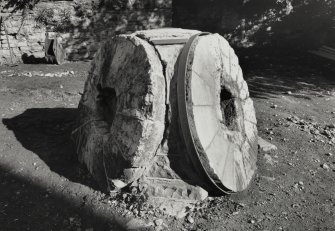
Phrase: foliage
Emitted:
{"points": [[115, 4], [85, 9], [266, 18], [17, 5], [44, 16], [64, 22], [58, 22]]}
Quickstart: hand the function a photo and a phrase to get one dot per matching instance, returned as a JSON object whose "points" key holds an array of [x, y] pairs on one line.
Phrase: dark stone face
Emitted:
{"points": [[228, 109], [107, 100]]}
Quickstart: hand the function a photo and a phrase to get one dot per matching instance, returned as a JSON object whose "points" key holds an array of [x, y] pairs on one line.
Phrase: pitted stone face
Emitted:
{"points": [[124, 107]]}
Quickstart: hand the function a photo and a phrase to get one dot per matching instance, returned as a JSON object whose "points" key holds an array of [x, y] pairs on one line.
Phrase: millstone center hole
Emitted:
{"points": [[107, 102], [228, 109]]}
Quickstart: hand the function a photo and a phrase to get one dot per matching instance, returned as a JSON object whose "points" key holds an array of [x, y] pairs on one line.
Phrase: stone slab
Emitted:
{"points": [[265, 146]]}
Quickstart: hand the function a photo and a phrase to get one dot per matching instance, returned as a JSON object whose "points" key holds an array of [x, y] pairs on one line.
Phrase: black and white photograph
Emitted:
{"points": [[167, 115]]}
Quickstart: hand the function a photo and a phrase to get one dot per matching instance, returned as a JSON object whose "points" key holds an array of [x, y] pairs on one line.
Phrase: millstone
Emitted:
{"points": [[217, 116], [167, 112]]}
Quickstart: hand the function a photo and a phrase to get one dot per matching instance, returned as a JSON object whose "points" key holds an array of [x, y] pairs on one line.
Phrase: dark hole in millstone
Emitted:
{"points": [[107, 102], [228, 109]]}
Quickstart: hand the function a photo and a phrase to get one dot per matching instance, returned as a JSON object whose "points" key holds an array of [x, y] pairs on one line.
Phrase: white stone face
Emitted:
{"points": [[215, 73]]}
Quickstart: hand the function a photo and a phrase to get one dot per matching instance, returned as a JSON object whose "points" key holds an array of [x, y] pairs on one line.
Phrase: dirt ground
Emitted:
{"points": [[43, 187]]}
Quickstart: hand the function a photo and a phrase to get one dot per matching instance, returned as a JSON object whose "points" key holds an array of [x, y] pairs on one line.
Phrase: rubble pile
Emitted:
{"points": [[322, 133]]}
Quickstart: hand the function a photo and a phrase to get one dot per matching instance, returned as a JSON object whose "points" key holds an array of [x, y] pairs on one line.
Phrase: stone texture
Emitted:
{"points": [[265, 146], [129, 129], [84, 34], [135, 128], [220, 118]]}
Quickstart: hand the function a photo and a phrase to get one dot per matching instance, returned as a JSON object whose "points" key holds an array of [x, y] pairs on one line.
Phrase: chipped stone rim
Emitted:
{"points": [[183, 112], [239, 92]]}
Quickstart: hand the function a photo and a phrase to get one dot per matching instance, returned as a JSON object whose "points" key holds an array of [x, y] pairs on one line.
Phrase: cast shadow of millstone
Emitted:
{"points": [[47, 133]]}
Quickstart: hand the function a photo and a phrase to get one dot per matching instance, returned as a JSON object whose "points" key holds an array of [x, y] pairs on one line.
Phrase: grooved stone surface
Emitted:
{"points": [[220, 114]]}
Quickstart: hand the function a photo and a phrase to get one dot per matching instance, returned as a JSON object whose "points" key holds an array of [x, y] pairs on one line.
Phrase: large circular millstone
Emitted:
{"points": [[121, 119], [216, 114], [155, 109]]}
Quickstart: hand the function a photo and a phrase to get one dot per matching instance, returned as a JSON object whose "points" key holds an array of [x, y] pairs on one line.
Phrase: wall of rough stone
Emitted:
{"points": [[82, 31], [24, 37]]}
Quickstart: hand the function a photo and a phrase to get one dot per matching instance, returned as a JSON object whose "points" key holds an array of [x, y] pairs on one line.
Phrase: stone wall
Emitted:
{"points": [[25, 38], [81, 24]]}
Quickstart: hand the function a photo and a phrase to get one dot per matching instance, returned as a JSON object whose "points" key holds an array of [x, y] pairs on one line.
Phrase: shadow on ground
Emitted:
{"points": [[39, 199], [47, 133], [270, 72], [31, 59], [28, 205]]}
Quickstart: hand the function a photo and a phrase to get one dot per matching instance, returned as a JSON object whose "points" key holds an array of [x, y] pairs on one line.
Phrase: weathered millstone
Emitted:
{"points": [[54, 52], [132, 131], [122, 110], [216, 113]]}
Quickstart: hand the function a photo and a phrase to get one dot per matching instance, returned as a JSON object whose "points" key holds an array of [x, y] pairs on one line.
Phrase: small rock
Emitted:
{"points": [[301, 183], [241, 204], [190, 219], [274, 106], [315, 131], [49, 75], [265, 146], [210, 198], [295, 205], [329, 154], [158, 222], [252, 221], [61, 86], [181, 214], [268, 178], [118, 184], [28, 74], [289, 92], [136, 224], [268, 159], [72, 72], [325, 166]]}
